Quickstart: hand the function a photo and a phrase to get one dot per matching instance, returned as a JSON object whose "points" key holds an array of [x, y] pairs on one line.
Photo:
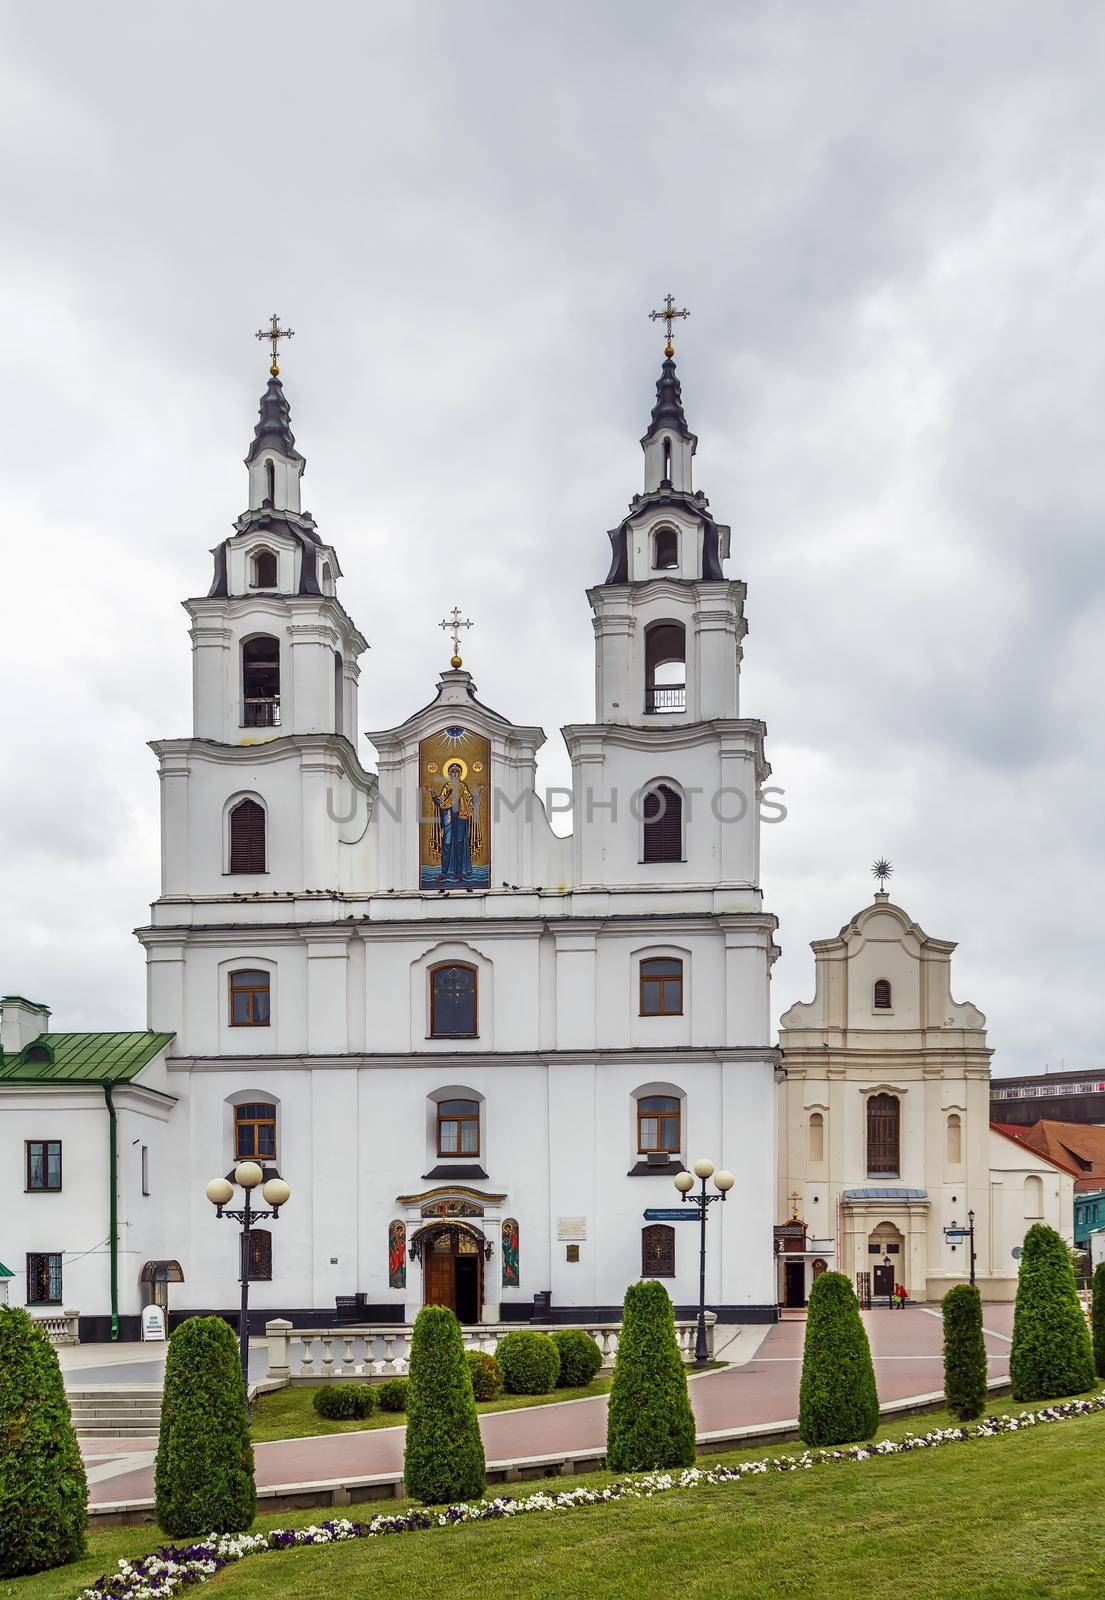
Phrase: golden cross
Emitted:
{"points": [[668, 316], [274, 333], [453, 625], [794, 1199]]}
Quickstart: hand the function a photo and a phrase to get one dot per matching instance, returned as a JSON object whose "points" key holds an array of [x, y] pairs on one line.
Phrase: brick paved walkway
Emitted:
{"points": [[906, 1346]]}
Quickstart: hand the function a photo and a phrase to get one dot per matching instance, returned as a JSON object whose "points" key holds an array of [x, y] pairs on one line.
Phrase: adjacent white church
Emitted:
{"points": [[478, 1052]]}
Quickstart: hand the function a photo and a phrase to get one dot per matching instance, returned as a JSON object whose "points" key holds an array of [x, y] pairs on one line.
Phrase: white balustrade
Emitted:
{"points": [[385, 1351], [62, 1327]]}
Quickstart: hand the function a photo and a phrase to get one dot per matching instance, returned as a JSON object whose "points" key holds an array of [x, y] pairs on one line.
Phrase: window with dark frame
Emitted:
{"points": [[249, 999], [663, 825], [882, 994], [44, 1278], [145, 1169], [658, 1124], [662, 987], [665, 549], [883, 1136], [261, 682], [264, 567], [43, 1165], [247, 837], [260, 1255], [658, 1251], [453, 1008], [458, 1127], [255, 1131], [665, 666]]}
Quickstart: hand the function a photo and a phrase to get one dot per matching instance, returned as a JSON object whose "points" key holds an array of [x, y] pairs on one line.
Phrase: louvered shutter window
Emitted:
{"points": [[247, 837], [663, 825]]}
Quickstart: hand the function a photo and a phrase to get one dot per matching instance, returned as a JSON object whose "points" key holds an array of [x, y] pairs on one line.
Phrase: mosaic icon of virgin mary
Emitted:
{"points": [[454, 852], [459, 822]]}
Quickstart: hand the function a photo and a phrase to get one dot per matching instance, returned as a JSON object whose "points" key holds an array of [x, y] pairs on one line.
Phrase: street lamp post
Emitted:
{"points": [[684, 1182], [220, 1191]]}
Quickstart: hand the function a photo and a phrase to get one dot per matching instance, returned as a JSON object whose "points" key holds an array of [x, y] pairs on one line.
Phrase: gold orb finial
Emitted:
{"points": [[455, 662]]}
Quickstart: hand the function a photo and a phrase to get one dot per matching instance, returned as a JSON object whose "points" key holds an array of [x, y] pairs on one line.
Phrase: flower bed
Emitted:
{"points": [[171, 1568]]}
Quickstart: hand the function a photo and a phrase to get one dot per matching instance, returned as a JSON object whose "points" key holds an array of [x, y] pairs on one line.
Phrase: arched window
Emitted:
{"points": [[247, 837], [665, 549], [658, 1251], [264, 569], [453, 1006], [817, 1136], [270, 483], [261, 682], [955, 1139], [661, 987], [255, 1131], [458, 1127], [883, 994], [883, 1136], [327, 578], [667, 460], [260, 1255], [658, 1125], [249, 999], [665, 667], [339, 693], [1033, 1199], [663, 825]]}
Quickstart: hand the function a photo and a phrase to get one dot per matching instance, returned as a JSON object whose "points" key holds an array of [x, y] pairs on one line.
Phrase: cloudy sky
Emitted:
{"points": [[889, 224]]}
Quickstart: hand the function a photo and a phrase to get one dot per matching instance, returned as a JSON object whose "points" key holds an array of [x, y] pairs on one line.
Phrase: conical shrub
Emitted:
{"points": [[1097, 1315], [43, 1492], [838, 1402], [203, 1481], [444, 1453], [649, 1422], [964, 1352], [1051, 1355]]}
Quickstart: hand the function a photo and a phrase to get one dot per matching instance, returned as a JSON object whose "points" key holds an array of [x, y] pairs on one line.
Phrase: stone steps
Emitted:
{"points": [[116, 1413]]}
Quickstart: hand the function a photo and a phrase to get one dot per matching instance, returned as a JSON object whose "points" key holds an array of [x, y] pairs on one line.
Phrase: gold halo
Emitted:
{"points": [[454, 761]]}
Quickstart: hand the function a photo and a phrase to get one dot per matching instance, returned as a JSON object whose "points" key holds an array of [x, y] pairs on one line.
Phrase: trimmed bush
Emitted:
{"points": [[1097, 1318], [43, 1492], [486, 1374], [649, 1422], [1051, 1355], [203, 1481], [838, 1402], [964, 1352], [344, 1402], [444, 1460], [580, 1357], [530, 1362], [392, 1395]]}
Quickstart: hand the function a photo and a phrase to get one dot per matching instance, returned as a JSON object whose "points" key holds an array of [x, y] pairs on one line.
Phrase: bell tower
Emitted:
{"points": [[668, 622]]}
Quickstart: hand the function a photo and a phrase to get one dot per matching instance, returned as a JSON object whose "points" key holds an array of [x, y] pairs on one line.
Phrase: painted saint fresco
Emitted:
{"points": [[454, 833], [510, 1253], [397, 1255]]}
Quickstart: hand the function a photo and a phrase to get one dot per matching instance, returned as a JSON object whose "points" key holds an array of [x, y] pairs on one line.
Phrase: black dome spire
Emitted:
{"points": [[273, 428], [668, 410]]}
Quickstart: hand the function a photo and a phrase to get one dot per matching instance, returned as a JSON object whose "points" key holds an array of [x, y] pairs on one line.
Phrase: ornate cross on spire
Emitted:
{"points": [[882, 870], [275, 333], [668, 316], [453, 625]]}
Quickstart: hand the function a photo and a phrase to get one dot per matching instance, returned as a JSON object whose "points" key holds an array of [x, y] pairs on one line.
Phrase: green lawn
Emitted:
{"points": [[289, 1413], [995, 1518]]}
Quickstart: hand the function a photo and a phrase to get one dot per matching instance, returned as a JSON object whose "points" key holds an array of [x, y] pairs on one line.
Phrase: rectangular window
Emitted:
{"points": [[458, 1128], [43, 1164], [453, 1010], [44, 1279], [255, 1132], [249, 999], [145, 1169], [658, 1251], [658, 1117], [662, 988]]}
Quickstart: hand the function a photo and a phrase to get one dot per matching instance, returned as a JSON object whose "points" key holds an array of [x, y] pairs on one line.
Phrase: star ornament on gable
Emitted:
{"points": [[881, 870]]}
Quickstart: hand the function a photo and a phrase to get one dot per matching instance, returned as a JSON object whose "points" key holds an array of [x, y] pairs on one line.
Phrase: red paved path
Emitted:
{"points": [[906, 1346]]}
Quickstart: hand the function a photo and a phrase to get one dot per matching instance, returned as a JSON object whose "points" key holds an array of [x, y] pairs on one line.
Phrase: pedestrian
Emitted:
{"points": [[900, 1295]]}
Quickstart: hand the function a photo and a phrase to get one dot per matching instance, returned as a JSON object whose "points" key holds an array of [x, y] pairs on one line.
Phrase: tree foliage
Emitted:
{"points": [[650, 1422], [580, 1357], [838, 1402], [486, 1374], [392, 1394], [1098, 1318], [964, 1352], [344, 1402], [1051, 1354], [444, 1459], [203, 1481], [43, 1492], [529, 1360]]}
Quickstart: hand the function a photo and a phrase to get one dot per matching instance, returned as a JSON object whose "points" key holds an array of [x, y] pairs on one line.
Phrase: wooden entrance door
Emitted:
{"points": [[440, 1280], [794, 1283], [883, 1283], [452, 1273]]}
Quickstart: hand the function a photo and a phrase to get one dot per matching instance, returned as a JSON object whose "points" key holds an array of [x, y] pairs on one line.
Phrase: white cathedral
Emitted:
{"points": [[478, 1052]]}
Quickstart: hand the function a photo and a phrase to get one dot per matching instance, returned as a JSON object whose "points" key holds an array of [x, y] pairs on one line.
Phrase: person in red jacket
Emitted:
{"points": [[900, 1295]]}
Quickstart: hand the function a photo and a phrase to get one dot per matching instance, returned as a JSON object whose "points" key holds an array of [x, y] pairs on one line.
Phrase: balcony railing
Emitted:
{"points": [[261, 713], [672, 698]]}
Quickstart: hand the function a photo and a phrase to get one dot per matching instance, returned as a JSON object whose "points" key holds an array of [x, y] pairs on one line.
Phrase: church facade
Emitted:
{"points": [[477, 1051]]}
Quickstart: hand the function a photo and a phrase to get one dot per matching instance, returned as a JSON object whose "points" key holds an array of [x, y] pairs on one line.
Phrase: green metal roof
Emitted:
{"points": [[83, 1058], [6, 1272]]}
